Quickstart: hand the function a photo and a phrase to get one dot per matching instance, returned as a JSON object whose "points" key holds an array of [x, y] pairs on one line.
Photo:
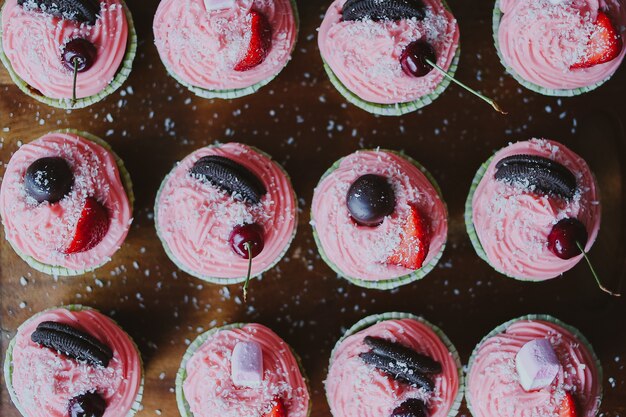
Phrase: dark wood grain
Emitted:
{"points": [[306, 125]]}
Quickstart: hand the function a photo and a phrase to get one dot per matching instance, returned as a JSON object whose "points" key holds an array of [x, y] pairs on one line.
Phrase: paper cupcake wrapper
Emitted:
{"points": [[68, 103], [217, 280], [385, 284], [8, 363], [497, 17], [377, 318], [236, 92], [536, 317], [181, 375], [57, 270]]}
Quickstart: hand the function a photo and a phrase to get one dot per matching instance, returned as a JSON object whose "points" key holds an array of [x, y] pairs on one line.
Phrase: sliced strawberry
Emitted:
{"points": [[260, 42], [568, 406], [604, 45], [278, 409], [91, 227], [414, 243]]}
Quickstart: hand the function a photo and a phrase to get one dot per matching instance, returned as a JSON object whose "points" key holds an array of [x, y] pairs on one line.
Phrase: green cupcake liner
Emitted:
{"points": [[378, 318], [181, 375], [57, 270], [236, 92], [217, 280], [120, 77], [497, 17], [8, 362], [534, 317], [385, 284]]}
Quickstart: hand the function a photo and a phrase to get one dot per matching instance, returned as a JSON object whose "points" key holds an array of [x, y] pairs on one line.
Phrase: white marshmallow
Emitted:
{"points": [[537, 364], [212, 5], [246, 364]]}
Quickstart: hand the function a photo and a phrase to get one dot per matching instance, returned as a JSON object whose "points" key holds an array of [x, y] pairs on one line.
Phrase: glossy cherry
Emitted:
{"points": [[90, 404], [414, 58], [567, 237], [370, 199], [244, 235], [48, 179], [81, 52]]}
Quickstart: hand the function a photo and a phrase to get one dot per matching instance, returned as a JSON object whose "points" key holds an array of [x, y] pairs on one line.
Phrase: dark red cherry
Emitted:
{"points": [[565, 237], [370, 199], [79, 51], [414, 56], [90, 404], [48, 179], [252, 234]]}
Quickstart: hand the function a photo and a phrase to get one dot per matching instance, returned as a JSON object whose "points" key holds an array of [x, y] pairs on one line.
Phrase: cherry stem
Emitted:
{"points": [[75, 78], [248, 247], [488, 100], [593, 271]]}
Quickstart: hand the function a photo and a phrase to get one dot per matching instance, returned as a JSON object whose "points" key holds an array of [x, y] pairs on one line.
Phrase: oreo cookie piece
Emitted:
{"points": [[378, 10], [537, 173], [83, 11], [403, 354], [230, 176], [398, 370]]}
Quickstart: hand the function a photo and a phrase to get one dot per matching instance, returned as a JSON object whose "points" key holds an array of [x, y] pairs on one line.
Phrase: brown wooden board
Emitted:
{"points": [[306, 125]]}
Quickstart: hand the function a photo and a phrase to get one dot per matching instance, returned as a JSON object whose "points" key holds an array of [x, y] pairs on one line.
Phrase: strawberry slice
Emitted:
{"points": [[91, 227], [260, 42], [278, 409], [414, 243], [568, 406], [604, 45]]}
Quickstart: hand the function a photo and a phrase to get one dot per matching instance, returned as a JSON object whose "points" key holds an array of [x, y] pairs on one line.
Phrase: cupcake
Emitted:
{"points": [[379, 219], [394, 365], [535, 365], [562, 47], [66, 203], [224, 207], [531, 209], [73, 361], [225, 48], [67, 54], [241, 370], [375, 52]]}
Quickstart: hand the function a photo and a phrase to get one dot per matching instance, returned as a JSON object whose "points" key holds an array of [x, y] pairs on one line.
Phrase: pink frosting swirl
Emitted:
{"points": [[33, 42], [210, 392], [42, 230], [540, 40], [355, 389], [365, 55], [202, 48], [44, 381], [493, 388], [360, 252], [513, 223], [195, 219]]}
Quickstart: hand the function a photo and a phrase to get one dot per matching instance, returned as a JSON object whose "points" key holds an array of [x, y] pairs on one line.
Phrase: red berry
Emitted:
{"points": [[604, 45], [370, 199], [91, 227], [81, 52], [413, 248], [568, 407], [260, 42], [565, 237], [414, 56], [48, 179], [278, 409], [251, 234]]}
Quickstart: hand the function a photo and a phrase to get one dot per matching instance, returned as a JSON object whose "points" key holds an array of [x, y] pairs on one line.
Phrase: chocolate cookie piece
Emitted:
{"points": [[83, 11], [378, 10]]}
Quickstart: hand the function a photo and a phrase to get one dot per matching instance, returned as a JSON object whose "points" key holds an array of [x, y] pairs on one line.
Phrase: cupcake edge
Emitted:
{"points": [[57, 270], [216, 280], [183, 406], [8, 360], [535, 317], [378, 318], [120, 78], [385, 284]]}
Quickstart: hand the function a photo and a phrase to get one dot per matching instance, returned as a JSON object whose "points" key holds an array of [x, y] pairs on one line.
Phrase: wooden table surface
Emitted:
{"points": [[152, 122]]}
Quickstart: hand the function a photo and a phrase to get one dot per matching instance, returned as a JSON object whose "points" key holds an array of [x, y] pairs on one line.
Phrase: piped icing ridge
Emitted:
{"points": [[365, 55], [44, 381], [210, 392], [33, 42], [513, 223], [202, 48], [195, 219], [493, 387], [355, 389], [41, 231], [360, 252], [540, 40]]}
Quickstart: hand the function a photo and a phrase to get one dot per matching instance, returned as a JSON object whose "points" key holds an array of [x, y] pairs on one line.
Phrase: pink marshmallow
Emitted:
{"points": [[537, 364], [246, 364], [219, 4]]}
